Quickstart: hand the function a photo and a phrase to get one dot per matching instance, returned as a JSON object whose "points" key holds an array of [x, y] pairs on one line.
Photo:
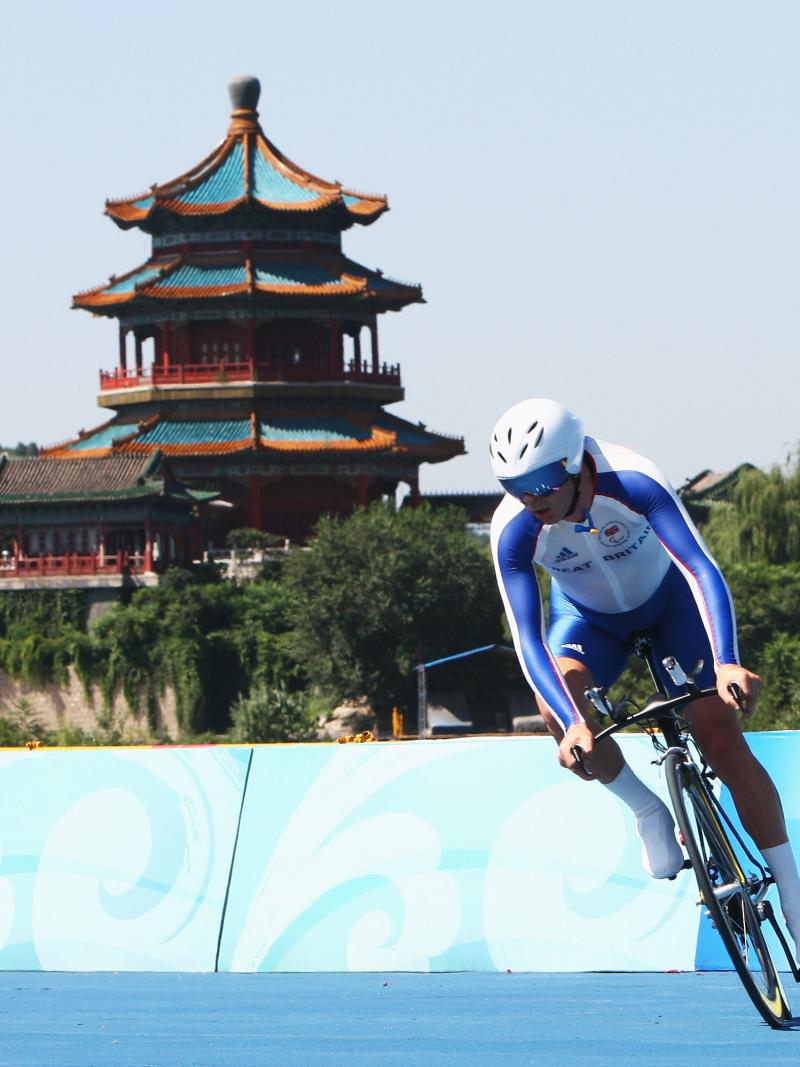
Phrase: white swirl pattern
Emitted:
{"points": [[133, 878], [318, 852], [535, 881]]}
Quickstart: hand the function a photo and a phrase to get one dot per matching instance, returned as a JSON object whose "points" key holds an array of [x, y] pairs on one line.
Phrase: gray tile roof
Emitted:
{"points": [[111, 477]]}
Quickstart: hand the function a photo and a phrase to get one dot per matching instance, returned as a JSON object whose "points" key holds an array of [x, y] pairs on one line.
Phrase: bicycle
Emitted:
{"points": [[733, 884]]}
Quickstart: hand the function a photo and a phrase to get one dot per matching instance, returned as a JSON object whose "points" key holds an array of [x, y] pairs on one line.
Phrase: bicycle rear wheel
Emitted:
{"points": [[729, 894]]}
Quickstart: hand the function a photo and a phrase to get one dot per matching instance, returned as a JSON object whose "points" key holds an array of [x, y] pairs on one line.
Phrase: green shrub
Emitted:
{"points": [[272, 713]]}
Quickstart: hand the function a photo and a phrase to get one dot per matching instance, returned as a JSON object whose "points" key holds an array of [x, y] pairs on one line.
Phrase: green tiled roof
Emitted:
{"points": [[196, 432], [223, 184], [128, 284], [296, 428], [103, 437], [317, 429], [198, 275], [203, 276], [407, 433], [271, 185], [292, 272]]}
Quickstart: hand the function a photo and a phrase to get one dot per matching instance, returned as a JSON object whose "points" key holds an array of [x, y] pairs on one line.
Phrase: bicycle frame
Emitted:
{"points": [[662, 711]]}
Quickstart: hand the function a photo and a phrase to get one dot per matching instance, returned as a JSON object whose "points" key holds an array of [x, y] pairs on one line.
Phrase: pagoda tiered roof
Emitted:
{"points": [[246, 172], [193, 275], [281, 434]]}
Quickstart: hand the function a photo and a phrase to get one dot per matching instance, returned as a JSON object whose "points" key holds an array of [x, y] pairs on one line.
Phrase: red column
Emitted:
{"points": [[123, 352], [166, 344], [148, 547], [415, 497], [138, 353], [250, 340]]}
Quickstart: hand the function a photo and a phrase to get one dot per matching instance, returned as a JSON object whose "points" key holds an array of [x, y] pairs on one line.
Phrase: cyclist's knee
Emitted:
{"points": [[717, 732]]}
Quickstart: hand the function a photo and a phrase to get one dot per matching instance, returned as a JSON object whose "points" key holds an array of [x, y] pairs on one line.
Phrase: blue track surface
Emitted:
{"points": [[187, 1020]]}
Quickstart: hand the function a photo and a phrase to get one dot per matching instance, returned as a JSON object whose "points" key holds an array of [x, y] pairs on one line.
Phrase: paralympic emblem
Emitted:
{"points": [[614, 534]]}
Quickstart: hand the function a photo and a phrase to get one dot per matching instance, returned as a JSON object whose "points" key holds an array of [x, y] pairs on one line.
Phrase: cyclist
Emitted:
{"points": [[624, 557]]}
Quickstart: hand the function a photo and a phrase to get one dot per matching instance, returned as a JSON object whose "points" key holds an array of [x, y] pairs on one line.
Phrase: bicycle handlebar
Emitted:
{"points": [[655, 709], [652, 711]]}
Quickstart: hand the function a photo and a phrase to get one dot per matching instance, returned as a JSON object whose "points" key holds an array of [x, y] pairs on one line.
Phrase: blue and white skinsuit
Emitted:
{"points": [[646, 568]]}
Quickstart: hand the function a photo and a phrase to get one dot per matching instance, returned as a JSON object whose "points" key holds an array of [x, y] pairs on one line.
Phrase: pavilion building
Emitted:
{"points": [[105, 522], [248, 342]]}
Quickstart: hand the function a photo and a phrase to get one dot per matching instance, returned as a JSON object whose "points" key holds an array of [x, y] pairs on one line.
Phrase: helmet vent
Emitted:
{"points": [[533, 435]]}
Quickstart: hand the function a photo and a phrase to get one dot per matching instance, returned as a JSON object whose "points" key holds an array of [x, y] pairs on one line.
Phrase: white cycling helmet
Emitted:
{"points": [[535, 447]]}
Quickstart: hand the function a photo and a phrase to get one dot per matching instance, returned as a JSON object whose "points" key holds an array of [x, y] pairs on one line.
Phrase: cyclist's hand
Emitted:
{"points": [[748, 683], [579, 734]]}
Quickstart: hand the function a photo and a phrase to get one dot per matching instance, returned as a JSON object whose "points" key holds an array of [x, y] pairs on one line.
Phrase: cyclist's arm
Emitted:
{"points": [[652, 495], [514, 536]]}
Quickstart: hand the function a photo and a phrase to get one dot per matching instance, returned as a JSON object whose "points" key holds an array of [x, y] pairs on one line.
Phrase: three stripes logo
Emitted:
{"points": [[565, 555]]}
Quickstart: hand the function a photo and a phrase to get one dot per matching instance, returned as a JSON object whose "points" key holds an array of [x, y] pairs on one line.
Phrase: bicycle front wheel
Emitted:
{"points": [[731, 896]]}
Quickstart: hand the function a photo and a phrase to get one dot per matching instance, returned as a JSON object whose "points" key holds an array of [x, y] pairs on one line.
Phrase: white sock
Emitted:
{"points": [[633, 792], [662, 856], [780, 860]]}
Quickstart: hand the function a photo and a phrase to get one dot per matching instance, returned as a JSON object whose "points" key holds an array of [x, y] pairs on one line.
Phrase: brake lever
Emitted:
{"points": [[578, 754], [735, 691]]}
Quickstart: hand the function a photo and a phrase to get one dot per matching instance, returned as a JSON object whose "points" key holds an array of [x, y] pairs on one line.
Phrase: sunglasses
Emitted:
{"points": [[541, 482]]}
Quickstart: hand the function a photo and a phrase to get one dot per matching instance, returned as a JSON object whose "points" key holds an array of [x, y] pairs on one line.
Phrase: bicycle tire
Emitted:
{"points": [[725, 890]]}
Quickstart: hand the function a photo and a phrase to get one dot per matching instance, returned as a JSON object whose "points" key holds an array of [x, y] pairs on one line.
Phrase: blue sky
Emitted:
{"points": [[599, 199]]}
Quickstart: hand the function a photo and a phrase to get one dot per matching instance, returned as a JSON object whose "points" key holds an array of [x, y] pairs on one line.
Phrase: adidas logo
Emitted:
{"points": [[565, 554], [575, 648]]}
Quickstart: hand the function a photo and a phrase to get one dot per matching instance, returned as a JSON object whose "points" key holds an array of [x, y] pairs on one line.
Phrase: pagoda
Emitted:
{"points": [[248, 342]]}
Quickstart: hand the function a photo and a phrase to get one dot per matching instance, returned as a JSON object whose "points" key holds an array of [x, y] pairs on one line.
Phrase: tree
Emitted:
{"points": [[21, 449], [756, 538], [210, 640], [762, 524], [779, 705], [381, 591], [249, 537]]}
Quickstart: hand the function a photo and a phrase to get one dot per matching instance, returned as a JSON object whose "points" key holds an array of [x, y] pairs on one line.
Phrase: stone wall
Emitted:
{"points": [[57, 706]]}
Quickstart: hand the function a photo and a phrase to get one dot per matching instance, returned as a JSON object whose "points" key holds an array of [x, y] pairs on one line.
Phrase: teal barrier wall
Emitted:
{"points": [[467, 854], [116, 859], [444, 855]]}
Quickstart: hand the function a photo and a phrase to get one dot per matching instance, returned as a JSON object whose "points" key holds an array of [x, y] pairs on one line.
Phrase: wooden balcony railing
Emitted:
{"points": [[73, 563], [245, 371]]}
